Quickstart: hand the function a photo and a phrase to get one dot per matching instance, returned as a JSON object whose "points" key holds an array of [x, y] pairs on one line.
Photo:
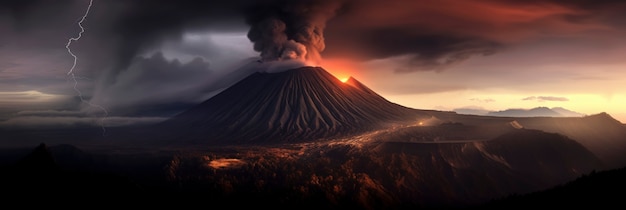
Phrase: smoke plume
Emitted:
{"points": [[286, 30]]}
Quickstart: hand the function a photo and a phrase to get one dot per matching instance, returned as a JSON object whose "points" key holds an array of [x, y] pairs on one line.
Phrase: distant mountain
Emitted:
{"points": [[38, 175], [567, 113], [536, 112], [471, 111], [291, 106], [602, 134], [37, 162]]}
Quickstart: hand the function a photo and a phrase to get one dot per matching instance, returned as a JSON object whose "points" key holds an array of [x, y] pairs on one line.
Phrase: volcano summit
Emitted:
{"points": [[297, 105]]}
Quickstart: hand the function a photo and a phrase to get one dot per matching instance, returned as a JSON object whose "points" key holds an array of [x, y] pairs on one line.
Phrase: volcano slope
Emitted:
{"points": [[293, 106]]}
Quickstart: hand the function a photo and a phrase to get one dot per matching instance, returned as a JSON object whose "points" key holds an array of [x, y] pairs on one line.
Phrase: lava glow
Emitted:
{"points": [[225, 163], [341, 68]]}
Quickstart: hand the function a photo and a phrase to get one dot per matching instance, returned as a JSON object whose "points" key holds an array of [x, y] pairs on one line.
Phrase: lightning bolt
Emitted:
{"points": [[72, 74]]}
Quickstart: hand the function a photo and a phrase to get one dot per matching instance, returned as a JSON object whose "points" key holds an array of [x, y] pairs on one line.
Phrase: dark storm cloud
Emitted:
{"points": [[572, 3], [426, 51], [155, 86], [144, 24], [438, 34], [119, 29], [25, 10], [545, 98]]}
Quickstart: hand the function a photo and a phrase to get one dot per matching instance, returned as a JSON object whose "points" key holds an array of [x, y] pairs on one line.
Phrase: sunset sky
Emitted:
{"points": [[145, 60]]}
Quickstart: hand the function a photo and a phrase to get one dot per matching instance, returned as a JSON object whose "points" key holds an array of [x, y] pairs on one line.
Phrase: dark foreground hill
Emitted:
{"points": [[596, 190], [600, 133], [35, 179], [329, 175]]}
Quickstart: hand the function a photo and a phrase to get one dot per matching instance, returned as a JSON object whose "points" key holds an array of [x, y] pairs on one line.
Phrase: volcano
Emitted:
{"points": [[297, 105]]}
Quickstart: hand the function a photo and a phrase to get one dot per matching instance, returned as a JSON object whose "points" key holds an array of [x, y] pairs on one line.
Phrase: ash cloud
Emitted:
{"points": [[290, 29]]}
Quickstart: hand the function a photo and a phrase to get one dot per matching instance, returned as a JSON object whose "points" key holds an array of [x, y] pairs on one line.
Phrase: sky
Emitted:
{"points": [[142, 61]]}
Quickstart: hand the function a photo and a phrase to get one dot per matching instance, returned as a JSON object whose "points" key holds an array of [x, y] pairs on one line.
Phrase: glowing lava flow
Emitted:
{"points": [[71, 73]]}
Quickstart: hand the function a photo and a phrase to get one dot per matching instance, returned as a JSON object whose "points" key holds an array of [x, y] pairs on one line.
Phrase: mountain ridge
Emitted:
{"points": [[540, 111]]}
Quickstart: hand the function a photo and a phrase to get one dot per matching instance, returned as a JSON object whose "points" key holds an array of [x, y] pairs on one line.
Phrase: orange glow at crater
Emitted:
{"points": [[342, 69]]}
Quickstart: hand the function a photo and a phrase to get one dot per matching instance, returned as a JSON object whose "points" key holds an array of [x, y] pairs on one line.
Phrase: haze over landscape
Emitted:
{"points": [[327, 104]]}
